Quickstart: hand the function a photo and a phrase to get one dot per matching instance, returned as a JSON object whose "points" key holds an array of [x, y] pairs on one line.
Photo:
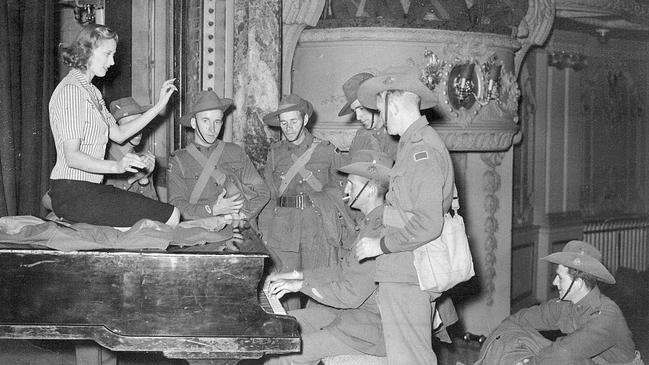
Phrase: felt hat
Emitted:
{"points": [[583, 257], [370, 164], [205, 100], [124, 107], [350, 88], [288, 103], [404, 78]]}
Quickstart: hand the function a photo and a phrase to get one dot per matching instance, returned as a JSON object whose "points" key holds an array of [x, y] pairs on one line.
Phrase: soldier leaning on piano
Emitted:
{"points": [[210, 177], [305, 221]]}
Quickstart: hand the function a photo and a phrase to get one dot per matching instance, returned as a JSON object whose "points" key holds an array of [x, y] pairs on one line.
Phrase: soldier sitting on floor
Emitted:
{"points": [[594, 327]]}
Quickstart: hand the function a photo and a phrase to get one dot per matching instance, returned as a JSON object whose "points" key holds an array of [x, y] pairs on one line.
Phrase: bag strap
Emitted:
{"points": [[209, 169], [298, 167], [455, 203]]}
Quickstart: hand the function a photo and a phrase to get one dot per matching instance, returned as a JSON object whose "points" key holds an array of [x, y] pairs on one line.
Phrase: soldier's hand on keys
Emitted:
{"points": [[367, 247], [225, 205], [131, 163], [237, 237], [283, 286]]}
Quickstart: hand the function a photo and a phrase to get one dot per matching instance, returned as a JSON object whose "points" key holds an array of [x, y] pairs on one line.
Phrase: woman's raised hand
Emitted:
{"points": [[167, 89]]}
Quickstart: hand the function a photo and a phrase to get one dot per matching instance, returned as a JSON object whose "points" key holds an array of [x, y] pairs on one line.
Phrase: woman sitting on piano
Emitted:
{"points": [[82, 126]]}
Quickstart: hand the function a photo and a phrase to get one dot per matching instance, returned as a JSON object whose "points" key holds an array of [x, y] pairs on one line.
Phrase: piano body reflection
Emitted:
{"points": [[191, 303]]}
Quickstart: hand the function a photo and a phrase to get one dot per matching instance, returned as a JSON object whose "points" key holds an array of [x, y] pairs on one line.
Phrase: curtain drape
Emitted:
{"points": [[28, 38]]}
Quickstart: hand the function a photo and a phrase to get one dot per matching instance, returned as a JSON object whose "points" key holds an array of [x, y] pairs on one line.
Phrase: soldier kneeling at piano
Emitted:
{"points": [[349, 322]]}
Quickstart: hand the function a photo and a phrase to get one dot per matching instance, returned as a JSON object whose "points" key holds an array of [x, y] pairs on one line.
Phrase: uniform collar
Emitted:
{"points": [[207, 150], [306, 143], [381, 131], [376, 213], [412, 133], [592, 300]]}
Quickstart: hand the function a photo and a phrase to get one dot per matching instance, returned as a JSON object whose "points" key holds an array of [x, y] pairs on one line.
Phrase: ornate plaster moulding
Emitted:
{"points": [[622, 14], [483, 118], [458, 43]]}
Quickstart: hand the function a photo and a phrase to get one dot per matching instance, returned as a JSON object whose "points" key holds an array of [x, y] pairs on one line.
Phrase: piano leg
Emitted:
{"points": [[93, 354]]}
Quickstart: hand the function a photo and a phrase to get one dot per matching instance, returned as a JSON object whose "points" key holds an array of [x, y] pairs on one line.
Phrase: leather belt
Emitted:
{"points": [[296, 201]]}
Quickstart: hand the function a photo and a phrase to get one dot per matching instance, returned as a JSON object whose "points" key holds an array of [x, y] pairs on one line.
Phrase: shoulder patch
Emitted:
{"points": [[423, 155]]}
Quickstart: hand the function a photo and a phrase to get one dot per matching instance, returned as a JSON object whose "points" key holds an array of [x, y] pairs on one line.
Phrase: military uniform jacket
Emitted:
{"points": [[184, 171], [595, 329], [121, 181], [376, 140], [421, 190], [283, 227], [350, 289]]}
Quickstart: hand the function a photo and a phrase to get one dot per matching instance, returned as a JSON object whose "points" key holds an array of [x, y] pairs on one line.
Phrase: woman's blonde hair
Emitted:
{"points": [[78, 53]]}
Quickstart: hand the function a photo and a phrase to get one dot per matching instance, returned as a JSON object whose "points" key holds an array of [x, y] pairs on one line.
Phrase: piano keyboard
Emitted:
{"points": [[270, 303]]}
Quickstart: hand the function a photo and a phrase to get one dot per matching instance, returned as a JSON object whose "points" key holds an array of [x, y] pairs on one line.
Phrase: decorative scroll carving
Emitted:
{"points": [[491, 183], [296, 15], [563, 59], [628, 14], [476, 140], [538, 23], [462, 42], [523, 202]]}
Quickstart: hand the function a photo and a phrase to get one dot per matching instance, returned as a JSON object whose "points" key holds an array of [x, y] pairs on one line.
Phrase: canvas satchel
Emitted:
{"points": [[446, 261]]}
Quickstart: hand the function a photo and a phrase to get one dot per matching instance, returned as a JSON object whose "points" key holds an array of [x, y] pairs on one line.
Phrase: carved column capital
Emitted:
{"points": [[296, 15], [534, 28]]}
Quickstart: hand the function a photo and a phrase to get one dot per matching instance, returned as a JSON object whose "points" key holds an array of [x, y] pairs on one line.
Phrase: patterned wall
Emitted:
{"points": [[614, 107]]}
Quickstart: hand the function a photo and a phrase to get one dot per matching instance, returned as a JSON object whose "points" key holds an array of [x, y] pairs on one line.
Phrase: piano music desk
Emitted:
{"points": [[197, 305]]}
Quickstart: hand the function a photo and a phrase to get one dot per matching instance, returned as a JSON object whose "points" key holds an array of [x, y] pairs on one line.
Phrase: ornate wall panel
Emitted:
{"points": [[325, 58]]}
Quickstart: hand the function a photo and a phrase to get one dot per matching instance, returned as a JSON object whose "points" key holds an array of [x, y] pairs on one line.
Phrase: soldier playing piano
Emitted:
{"points": [[305, 219], [349, 323]]}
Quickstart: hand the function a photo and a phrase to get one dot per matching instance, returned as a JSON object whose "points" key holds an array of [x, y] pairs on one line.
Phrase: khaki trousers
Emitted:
{"points": [[406, 316]]}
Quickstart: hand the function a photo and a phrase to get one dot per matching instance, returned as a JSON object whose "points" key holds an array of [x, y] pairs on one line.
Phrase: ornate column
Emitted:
{"points": [[256, 72], [535, 28], [296, 15]]}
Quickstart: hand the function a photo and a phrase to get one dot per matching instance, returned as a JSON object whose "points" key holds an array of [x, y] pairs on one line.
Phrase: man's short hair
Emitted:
{"points": [[589, 280], [402, 95], [382, 187]]}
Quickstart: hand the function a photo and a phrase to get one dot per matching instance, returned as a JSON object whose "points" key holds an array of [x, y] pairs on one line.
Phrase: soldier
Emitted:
{"points": [[594, 327], [349, 323], [305, 219], [211, 177], [374, 134], [125, 110], [421, 190]]}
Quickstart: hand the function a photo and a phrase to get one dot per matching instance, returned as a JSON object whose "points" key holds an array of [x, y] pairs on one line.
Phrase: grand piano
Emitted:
{"points": [[198, 304]]}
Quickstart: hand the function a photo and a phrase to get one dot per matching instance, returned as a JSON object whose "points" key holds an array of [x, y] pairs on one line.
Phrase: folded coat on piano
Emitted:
{"points": [[196, 303]]}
